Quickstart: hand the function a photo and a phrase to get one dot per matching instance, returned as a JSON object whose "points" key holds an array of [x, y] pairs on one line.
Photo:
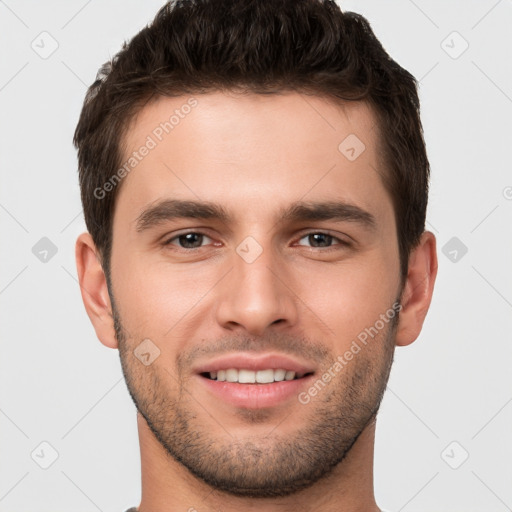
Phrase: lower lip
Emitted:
{"points": [[256, 396]]}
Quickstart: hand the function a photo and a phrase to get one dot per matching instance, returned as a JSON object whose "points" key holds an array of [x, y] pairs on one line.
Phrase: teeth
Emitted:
{"points": [[264, 376], [246, 376], [279, 375], [232, 375], [252, 377]]}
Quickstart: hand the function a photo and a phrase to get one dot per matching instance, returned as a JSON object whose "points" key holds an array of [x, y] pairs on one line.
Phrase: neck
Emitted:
{"points": [[167, 486]]}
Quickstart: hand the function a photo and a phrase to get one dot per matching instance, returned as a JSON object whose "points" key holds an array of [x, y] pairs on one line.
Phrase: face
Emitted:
{"points": [[254, 248]]}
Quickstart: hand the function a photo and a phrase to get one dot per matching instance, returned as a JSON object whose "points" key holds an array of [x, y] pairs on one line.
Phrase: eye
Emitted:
{"points": [[195, 240], [191, 240], [319, 239]]}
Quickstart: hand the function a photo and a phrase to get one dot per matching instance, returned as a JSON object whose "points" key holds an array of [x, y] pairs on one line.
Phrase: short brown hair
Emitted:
{"points": [[259, 46]]}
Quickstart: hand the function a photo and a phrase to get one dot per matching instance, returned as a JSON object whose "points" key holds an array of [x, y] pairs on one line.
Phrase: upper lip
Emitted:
{"points": [[255, 362]]}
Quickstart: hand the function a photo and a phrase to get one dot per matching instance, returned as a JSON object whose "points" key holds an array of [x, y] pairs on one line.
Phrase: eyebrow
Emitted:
{"points": [[171, 209]]}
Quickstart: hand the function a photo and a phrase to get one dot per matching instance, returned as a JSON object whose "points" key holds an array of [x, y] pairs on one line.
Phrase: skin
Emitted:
{"points": [[255, 155]]}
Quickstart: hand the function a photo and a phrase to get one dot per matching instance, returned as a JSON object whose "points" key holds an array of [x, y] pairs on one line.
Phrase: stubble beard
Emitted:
{"points": [[269, 466]]}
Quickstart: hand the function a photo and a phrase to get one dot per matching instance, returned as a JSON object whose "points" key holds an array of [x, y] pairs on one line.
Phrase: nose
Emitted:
{"points": [[256, 295]]}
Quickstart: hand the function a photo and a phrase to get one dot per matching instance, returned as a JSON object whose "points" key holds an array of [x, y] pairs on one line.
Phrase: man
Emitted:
{"points": [[254, 182]]}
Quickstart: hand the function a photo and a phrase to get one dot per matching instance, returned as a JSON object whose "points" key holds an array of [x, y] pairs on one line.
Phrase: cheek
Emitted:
{"points": [[156, 296], [353, 296]]}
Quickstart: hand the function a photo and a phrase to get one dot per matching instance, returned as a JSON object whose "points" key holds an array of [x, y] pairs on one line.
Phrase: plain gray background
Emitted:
{"points": [[444, 429]]}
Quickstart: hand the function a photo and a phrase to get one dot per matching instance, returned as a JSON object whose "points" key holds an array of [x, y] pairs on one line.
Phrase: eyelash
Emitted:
{"points": [[340, 241]]}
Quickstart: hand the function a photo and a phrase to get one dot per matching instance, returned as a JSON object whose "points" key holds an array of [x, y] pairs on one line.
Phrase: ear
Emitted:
{"points": [[418, 289], [93, 287]]}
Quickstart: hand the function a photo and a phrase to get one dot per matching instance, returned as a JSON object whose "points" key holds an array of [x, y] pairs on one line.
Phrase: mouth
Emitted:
{"points": [[245, 376], [252, 381]]}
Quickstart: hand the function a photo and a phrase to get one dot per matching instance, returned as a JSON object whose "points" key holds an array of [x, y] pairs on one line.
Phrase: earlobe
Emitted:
{"points": [[94, 290], [418, 289]]}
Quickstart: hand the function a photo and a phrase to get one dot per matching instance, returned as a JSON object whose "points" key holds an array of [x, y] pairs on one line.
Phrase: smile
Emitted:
{"points": [[244, 376]]}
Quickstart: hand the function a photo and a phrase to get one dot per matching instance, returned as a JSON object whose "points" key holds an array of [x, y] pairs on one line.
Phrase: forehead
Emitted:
{"points": [[253, 152]]}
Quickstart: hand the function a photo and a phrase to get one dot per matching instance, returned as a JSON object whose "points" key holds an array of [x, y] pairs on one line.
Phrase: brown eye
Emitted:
{"points": [[320, 239], [190, 240]]}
